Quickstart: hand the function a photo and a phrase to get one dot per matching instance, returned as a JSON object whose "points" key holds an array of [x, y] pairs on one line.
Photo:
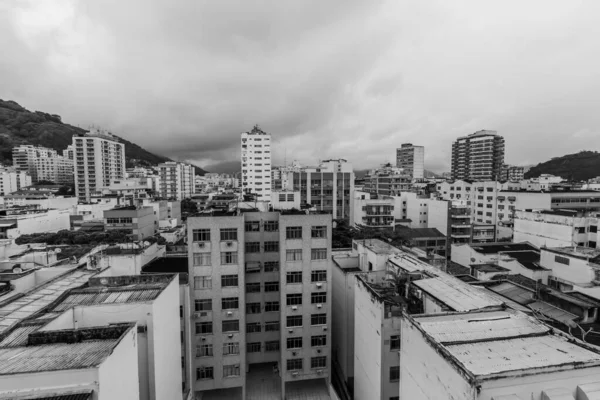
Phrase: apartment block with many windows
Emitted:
{"points": [[98, 160], [412, 160], [479, 156], [176, 180], [43, 164], [256, 163], [262, 298]]}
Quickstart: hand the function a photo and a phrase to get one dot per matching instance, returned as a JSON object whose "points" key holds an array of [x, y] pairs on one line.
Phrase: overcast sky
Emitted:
{"points": [[347, 79]]}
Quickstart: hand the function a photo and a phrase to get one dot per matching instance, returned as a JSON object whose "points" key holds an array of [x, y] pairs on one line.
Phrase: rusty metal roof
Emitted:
{"points": [[55, 357]]}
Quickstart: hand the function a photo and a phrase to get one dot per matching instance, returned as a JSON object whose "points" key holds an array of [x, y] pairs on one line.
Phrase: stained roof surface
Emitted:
{"points": [[456, 294], [494, 248], [64, 396]]}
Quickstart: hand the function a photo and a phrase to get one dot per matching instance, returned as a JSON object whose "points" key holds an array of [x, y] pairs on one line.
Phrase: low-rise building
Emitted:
{"points": [[452, 219], [18, 221], [139, 220], [467, 254], [429, 240], [572, 267], [492, 355], [285, 199]]}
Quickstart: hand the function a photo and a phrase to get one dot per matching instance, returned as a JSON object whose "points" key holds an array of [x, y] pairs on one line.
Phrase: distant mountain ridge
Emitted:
{"points": [[20, 126], [578, 167]]}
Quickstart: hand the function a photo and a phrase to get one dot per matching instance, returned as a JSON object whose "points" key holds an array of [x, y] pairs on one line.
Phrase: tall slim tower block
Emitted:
{"points": [[412, 160], [478, 157], [256, 163]]}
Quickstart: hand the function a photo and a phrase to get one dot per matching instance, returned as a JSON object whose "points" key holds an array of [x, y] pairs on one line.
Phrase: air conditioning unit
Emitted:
{"points": [[324, 328], [294, 374], [201, 244], [319, 371], [290, 330], [229, 313], [294, 307], [319, 351], [319, 305], [294, 353], [203, 338], [229, 244], [230, 335], [319, 285]]}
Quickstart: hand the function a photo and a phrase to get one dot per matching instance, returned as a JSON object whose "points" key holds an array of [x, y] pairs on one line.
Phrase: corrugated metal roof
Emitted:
{"points": [[19, 336], [54, 357], [481, 326], [490, 357], [109, 297], [64, 396], [509, 302], [548, 310], [514, 292], [456, 294], [34, 301]]}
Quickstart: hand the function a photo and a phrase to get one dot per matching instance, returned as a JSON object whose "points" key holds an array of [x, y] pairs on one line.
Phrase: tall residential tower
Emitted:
{"points": [[478, 156], [412, 160], [256, 163]]}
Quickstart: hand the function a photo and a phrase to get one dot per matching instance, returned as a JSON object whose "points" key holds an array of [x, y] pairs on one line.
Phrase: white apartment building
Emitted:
{"points": [[479, 156], [43, 164], [98, 160], [256, 163], [176, 180], [411, 159], [573, 268], [12, 180], [262, 303], [556, 228]]}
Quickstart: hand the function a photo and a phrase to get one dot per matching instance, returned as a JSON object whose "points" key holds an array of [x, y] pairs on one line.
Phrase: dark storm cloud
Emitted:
{"points": [[337, 78]]}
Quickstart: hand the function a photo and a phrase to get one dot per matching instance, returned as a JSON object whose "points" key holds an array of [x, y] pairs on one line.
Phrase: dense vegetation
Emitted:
{"points": [[343, 234], [578, 167], [21, 126], [76, 237]]}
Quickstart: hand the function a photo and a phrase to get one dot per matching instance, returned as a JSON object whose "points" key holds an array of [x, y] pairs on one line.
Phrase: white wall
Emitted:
{"points": [[539, 233], [48, 382], [424, 373], [342, 339], [368, 316], [516, 268], [464, 255], [50, 221], [117, 375], [578, 271], [438, 216]]}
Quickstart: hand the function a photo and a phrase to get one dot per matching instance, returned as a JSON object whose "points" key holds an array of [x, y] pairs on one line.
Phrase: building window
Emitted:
{"points": [[294, 299], [271, 286], [271, 247], [203, 305], [394, 374], [293, 232], [252, 226], [271, 226], [204, 350], [395, 342], [230, 303], [204, 373], [253, 287], [580, 229], [293, 320], [272, 345], [253, 347], [294, 342], [202, 282], [231, 348], [318, 362], [271, 266], [318, 254], [318, 232], [272, 326], [271, 306], [318, 319], [229, 257], [201, 235], [253, 327], [231, 370], [201, 259], [252, 247], [318, 276], [229, 234], [293, 255], [294, 364], [593, 228], [561, 260], [231, 326], [318, 341], [318, 298], [252, 308], [229, 280], [294, 277], [204, 328]]}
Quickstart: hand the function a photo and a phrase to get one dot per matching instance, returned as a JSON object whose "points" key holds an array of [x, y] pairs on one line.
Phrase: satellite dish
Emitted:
{"points": [[57, 251], [146, 244]]}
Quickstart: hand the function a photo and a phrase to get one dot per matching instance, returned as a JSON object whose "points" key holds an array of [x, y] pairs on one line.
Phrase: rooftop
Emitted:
{"points": [[489, 268], [457, 294], [377, 246], [490, 344], [493, 248], [413, 233], [169, 265], [583, 253], [62, 396], [62, 350], [528, 259]]}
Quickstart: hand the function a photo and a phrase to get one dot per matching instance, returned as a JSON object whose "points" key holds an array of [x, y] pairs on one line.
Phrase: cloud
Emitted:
{"points": [[340, 78]]}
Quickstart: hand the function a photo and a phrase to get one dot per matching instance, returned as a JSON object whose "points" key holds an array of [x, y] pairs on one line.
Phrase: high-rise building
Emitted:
{"points": [[412, 160], [262, 302], [328, 187], [69, 152], [256, 163], [478, 156], [12, 180], [176, 180], [388, 181], [43, 164], [99, 158]]}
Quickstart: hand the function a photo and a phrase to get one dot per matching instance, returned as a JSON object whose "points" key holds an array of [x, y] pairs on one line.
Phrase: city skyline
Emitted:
{"points": [[360, 93]]}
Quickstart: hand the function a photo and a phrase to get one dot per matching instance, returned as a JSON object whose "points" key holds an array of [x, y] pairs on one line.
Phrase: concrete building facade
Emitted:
{"points": [[139, 220], [176, 180], [412, 160], [43, 164], [12, 180], [479, 156]]}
